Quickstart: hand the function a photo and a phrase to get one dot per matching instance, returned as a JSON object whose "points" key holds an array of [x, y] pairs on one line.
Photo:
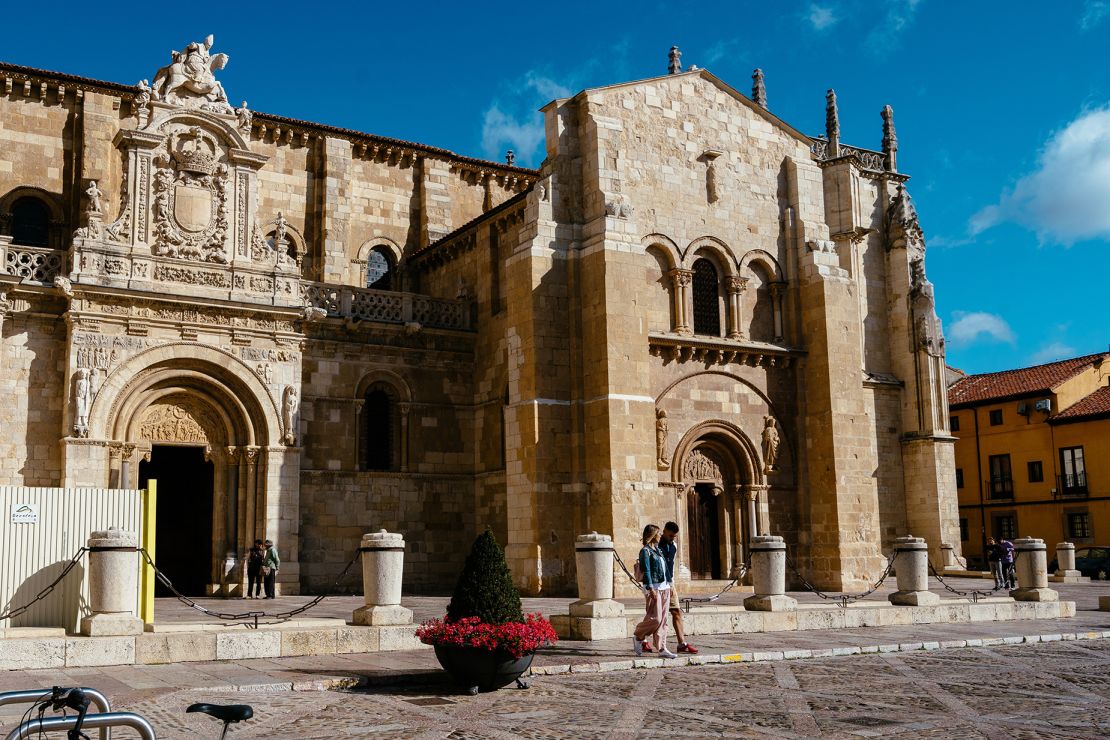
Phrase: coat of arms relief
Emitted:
{"points": [[190, 203]]}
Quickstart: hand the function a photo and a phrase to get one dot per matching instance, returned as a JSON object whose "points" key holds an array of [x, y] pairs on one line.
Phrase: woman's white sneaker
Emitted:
{"points": [[667, 653]]}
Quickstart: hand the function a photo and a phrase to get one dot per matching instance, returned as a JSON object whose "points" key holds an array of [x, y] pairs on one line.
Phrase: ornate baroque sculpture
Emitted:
{"points": [[190, 199], [189, 79], [770, 443]]}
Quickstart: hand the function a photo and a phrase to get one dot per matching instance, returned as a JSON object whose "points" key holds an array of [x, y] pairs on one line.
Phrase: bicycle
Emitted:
{"points": [[60, 699]]}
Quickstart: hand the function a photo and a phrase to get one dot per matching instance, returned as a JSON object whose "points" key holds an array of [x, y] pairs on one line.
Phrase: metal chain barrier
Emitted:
{"points": [[843, 599], [249, 615], [12, 614], [627, 572], [742, 571], [975, 594]]}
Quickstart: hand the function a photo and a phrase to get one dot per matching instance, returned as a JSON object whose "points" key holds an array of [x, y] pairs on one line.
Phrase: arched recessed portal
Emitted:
{"points": [[715, 465], [203, 426]]}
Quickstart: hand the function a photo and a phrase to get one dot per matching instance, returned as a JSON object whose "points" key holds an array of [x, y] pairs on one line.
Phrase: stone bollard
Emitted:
{"points": [[1032, 571], [593, 557], [1065, 565], [113, 584], [911, 564], [950, 560], [383, 560], [769, 576]]}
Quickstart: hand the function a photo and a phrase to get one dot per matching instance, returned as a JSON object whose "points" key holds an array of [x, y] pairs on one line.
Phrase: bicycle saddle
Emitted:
{"points": [[224, 712]]}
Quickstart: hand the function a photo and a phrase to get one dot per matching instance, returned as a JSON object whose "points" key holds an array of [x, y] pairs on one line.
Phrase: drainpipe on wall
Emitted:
{"points": [[979, 475]]}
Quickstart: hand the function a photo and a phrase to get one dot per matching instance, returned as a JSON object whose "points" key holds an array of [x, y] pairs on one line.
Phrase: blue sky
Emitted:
{"points": [[1002, 108]]}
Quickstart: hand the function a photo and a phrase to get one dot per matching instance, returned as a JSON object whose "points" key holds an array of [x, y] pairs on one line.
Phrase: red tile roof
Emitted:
{"points": [[1015, 383], [1093, 406]]}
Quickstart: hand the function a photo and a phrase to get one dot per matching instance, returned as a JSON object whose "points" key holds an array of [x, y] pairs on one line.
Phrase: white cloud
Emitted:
{"points": [[502, 131], [898, 17], [1094, 12], [821, 17], [1066, 198], [1052, 351], [547, 88], [969, 327]]}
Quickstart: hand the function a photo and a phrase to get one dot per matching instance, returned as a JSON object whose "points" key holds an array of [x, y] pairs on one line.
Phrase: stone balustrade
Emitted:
{"points": [[32, 264], [390, 307]]}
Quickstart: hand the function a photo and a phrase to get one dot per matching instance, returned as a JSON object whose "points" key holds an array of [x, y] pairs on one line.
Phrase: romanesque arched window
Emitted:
{"points": [[379, 431], [30, 222], [379, 269], [707, 304]]}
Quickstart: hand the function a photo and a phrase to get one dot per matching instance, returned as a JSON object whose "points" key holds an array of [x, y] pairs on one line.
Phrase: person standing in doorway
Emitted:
{"points": [[254, 570], [653, 571], [669, 549], [270, 564]]}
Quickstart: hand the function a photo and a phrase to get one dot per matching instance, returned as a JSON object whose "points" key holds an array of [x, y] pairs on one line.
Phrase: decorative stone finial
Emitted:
{"points": [[510, 158], [832, 123], [759, 90], [890, 139], [675, 58]]}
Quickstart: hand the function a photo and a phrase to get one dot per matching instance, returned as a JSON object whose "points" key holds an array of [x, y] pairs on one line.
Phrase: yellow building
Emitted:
{"points": [[1033, 453]]}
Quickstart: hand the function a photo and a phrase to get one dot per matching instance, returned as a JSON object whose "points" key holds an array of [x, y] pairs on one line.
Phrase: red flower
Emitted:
{"points": [[515, 638]]}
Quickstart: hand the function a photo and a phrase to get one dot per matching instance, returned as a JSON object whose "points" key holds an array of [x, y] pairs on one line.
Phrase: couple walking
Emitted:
{"points": [[262, 568], [655, 569], [1001, 557]]}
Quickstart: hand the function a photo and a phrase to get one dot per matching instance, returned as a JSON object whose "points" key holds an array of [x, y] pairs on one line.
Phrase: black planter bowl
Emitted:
{"points": [[477, 670]]}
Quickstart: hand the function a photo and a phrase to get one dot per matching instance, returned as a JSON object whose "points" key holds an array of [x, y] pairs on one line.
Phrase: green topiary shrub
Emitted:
{"points": [[485, 588]]}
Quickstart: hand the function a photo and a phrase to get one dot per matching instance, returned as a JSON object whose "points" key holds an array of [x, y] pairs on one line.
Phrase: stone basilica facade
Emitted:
{"points": [[690, 311]]}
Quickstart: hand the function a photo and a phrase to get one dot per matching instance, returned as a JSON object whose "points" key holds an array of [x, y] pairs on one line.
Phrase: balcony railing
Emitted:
{"points": [[389, 307], [999, 487], [1071, 485], [33, 264]]}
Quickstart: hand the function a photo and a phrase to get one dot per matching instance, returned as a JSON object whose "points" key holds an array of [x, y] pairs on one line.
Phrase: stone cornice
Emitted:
{"points": [[716, 351]]}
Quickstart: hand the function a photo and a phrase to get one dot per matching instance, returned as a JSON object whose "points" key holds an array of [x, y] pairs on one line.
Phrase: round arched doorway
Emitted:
{"points": [[717, 476]]}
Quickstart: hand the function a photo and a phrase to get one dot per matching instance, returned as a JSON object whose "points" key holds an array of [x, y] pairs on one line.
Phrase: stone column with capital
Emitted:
{"points": [[1032, 571], [1065, 565], [113, 584], [735, 286], [911, 563], [680, 290], [769, 576], [383, 561]]}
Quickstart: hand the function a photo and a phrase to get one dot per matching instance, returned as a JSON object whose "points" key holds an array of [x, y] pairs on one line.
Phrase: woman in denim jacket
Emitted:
{"points": [[656, 588]]}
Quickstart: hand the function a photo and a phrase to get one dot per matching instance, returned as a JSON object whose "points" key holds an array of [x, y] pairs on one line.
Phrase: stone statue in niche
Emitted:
{"points": [[661, 439], [82, 400], [189, 79], [926, 324], [289, 405], [770, 443]]}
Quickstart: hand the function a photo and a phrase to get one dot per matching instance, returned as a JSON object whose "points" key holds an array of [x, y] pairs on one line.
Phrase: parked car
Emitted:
{"points": [[1092, 561]]}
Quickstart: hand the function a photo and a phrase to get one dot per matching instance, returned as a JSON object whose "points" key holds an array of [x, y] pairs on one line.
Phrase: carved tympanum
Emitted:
{"points": [[172, 423], [700, 467]]}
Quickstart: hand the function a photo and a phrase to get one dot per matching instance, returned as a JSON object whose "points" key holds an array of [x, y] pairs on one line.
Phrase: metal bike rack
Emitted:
{"points": [[92, 722], [31, 696]]}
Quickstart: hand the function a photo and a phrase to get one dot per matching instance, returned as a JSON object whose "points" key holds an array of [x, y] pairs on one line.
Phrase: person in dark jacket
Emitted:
{"points": [[255, 556], [669, 549], [1009, 558], [994, 559]]}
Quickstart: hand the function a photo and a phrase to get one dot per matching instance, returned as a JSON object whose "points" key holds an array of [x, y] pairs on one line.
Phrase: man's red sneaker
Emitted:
{"points": [[646, 646], [687, 648]]}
